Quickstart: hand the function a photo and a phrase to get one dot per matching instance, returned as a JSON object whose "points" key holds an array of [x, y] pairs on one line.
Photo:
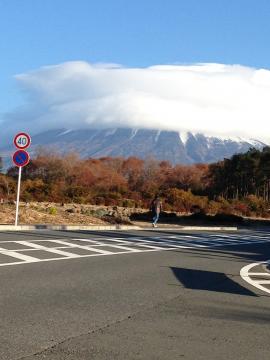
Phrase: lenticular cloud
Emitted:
{"points": [[215, 99]]}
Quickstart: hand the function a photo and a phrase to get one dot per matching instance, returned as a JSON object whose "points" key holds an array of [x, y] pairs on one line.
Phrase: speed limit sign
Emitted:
{"points": [[22, 141]]}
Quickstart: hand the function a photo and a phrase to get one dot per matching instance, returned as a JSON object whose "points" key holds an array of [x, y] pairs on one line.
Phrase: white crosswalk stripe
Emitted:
{"points": [[52, 250], [18, 255], [32, 251]]}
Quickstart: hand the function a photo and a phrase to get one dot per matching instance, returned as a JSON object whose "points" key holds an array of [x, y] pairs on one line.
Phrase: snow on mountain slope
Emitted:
{"points": [[185, 148]]}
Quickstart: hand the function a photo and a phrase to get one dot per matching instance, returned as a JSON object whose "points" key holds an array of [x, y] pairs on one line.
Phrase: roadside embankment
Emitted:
{"points": [[36, 213], [41, 214]]}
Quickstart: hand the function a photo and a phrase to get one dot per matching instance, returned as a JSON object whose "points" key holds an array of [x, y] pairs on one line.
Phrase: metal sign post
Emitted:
{"points": [[20, 158], [18, 196]]}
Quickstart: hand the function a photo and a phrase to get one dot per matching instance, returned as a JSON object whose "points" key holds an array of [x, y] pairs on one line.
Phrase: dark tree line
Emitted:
{"points": [[240, 185], [242, 175]]}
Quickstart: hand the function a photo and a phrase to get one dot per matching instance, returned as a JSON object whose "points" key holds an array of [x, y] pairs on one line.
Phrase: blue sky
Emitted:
{"points": [[140, 33]]}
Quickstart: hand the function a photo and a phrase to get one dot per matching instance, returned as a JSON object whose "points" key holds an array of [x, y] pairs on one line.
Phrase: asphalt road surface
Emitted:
{"points": [[153, 294]]}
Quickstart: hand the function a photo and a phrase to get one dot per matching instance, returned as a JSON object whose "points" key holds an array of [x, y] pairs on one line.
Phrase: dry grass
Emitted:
{"points": [[41, 213]]}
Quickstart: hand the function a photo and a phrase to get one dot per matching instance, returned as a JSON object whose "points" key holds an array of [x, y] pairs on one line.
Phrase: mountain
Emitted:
{"points": [[185, 148]]}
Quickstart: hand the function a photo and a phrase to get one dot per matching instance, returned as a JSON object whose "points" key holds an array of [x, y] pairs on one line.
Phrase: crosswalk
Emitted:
{"points": [[32, 251]]}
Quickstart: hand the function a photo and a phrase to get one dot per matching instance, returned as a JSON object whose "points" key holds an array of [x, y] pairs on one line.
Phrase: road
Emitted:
{"points": [[157, 294]]}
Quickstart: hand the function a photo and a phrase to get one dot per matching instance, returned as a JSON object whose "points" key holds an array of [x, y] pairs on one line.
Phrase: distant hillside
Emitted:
{"points": [[185, 148]]}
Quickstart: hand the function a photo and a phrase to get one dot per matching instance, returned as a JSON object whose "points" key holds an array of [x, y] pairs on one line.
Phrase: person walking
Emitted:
{"points": [[156, 207]]}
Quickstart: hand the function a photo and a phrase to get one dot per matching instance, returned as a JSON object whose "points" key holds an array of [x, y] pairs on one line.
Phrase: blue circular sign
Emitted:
{"points": [[21, 158]]}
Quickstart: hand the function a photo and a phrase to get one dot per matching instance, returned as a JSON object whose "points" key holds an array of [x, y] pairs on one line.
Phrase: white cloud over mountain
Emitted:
{"points": [[215, 99]]}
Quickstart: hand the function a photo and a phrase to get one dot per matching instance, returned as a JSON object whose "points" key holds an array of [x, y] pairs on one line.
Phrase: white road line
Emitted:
{"points": [[101, 239], [241, 243], [44, 248], [18, 255], [201, 240], [87, 240], [228, 243], [232, 240], [121, 247], [186, 236], [83, 247], [34, 240], [245, 275], [64, 247], [141, 243], [18, 263], [187, 245], [99, 243], [153, 241], [32, 249], [188, 241], [149, 246], [69, 258], [163, 245], [262, 282], [258, 274]]}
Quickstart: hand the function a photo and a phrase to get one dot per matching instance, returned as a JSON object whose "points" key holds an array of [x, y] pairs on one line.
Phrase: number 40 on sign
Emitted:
{"points": [[22, 141]]}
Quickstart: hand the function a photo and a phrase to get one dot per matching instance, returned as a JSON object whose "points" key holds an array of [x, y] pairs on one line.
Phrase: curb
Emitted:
{"points": [[194, 228], [112, 227], [66, 227]]}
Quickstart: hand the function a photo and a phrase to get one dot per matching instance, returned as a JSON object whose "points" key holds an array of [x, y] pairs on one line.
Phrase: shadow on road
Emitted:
{"points": [[209, 281]]}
